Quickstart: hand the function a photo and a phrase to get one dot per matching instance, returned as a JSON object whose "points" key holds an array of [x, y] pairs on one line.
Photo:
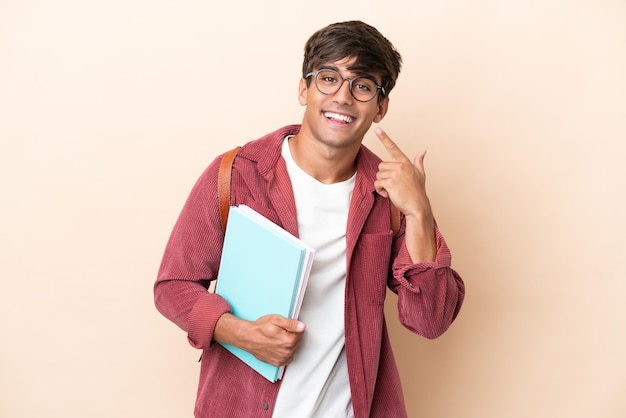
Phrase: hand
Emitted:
{"points": [[402, 181], [271, 338]]}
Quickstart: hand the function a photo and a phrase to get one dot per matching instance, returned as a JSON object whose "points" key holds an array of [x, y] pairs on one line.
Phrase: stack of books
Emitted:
{"points": [[264, 270]]}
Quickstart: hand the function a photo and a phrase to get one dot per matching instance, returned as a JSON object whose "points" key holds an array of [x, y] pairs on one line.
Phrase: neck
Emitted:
{"points": [[325, 164]]}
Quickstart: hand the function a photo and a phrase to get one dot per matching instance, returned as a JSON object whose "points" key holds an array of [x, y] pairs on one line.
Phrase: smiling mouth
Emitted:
{"points": [[338, 117]]}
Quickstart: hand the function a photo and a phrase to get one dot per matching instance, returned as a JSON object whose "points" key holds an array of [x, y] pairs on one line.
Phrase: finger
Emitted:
{"points": [[290, 325], [418, 161], [394, 151]]}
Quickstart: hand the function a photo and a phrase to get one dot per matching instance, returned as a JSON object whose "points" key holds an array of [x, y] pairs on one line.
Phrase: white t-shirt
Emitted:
{"points": [[316, 383]]}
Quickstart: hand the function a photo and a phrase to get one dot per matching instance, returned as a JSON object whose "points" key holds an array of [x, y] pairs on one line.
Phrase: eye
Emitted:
{"points": [[364, 85], [328, 77]]}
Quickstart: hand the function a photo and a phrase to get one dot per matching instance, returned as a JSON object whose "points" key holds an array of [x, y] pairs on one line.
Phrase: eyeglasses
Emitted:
{"points": [[329, 82]]}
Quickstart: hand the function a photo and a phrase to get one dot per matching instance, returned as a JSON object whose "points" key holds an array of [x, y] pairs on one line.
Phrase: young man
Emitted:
{"points": [[320, 183]]}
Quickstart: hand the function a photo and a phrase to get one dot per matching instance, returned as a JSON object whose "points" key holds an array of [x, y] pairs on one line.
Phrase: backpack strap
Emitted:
{"points": [[223, 192], [394, 216], [223, 184]]}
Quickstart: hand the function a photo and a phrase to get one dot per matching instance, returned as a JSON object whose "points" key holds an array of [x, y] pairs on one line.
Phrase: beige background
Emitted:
{"points": [[109, 111]]}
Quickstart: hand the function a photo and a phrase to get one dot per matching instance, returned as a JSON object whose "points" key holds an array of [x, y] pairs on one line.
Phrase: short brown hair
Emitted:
{"points": [[373, 52]]}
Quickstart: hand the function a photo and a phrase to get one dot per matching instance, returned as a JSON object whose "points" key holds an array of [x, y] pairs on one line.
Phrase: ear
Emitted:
{"points": [[302, 92], [383, 106]]}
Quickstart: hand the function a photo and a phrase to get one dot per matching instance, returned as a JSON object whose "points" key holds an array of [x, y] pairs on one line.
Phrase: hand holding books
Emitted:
{"points": [[272, 339], [263, 274]]}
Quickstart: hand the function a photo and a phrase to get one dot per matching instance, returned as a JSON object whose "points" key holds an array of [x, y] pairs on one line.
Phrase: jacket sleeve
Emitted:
{"points": [[430, 294], [191, 261]]}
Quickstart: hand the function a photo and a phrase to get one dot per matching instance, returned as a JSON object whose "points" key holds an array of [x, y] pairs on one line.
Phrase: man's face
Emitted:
{"points": [[339, 120]]}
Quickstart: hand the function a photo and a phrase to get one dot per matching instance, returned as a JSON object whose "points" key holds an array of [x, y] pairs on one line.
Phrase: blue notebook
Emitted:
{"points": [[264, 270]]}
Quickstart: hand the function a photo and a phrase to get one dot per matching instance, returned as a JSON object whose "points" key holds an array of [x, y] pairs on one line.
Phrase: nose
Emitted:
{"points": [[344, 94]]}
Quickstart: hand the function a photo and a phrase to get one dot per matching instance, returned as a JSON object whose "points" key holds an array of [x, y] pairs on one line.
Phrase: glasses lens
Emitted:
{"points": [[328, 81], [364, 89]]}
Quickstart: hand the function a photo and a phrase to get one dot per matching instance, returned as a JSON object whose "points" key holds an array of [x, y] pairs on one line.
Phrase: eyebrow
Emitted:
{"points": [[332, 67]]}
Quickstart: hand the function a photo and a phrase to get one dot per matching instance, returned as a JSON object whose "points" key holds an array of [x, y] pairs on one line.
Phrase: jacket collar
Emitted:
{"points": [[265, 151]]}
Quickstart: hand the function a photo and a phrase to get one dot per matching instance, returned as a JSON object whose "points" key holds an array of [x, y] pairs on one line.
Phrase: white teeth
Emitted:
{"points": [[337, 116]]}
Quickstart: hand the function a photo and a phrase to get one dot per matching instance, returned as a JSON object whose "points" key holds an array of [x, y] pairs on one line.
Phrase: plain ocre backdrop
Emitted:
{"points": [[110, 110]]}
